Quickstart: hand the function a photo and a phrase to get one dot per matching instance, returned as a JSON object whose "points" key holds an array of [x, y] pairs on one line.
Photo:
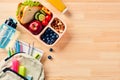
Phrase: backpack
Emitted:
{"points": [[29, 68]]}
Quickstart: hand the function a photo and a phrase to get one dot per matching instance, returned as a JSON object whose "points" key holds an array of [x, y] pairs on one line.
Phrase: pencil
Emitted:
{"points": [[9, 53]]}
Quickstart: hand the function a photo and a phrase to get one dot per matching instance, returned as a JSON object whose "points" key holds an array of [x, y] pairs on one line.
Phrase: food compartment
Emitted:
{"points": [[49, 36], [33, 16], [58, 25], [40, 21]]}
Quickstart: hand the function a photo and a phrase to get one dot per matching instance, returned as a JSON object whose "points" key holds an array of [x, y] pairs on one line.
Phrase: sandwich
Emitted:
{"points": [[26, 10]]}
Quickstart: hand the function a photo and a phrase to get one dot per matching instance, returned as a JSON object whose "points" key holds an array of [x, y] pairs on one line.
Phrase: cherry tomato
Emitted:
{"points": [[45, 22], [48, 17]]}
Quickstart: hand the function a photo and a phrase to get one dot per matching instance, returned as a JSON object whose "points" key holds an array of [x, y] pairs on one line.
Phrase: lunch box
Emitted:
{"points": [[51, 33]]}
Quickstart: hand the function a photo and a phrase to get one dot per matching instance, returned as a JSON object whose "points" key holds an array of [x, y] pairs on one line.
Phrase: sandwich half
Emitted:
{"points": [[26, 10]]}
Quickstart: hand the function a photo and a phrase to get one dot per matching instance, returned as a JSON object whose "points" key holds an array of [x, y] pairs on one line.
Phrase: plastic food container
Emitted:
{"points": [[51, 32]]}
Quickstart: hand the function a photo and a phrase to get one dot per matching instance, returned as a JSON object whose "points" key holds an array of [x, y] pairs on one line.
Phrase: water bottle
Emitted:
{"points": [[7, 31]]}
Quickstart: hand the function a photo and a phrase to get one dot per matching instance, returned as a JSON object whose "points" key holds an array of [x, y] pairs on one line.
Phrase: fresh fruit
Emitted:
{"points": [[37, 15], [42, 12], [44, 22], [41, 17], [49, 57], [49, 36], [48, 17], [51, 49], [35, 27]]}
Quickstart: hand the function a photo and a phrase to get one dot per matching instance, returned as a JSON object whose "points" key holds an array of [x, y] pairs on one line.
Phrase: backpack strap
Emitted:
{"points": [[8, 69], [13, 55]]}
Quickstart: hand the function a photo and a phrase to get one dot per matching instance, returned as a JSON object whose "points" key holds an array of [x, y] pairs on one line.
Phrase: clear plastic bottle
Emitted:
{"points": [[7, 31]]}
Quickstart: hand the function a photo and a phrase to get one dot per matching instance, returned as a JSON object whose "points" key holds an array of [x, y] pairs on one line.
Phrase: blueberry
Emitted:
{"points": [[53, 36], [48, 41], [43, 39], [49, 36], [51, 50], [57, 36], [52, 40], [49, 57], [48, 29]]}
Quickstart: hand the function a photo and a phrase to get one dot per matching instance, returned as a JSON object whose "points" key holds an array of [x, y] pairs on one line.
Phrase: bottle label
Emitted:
{"points": [[6, 34]]}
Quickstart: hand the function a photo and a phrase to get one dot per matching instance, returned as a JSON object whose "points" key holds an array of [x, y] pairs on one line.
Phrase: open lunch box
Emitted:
{"points": [[39, 21]]}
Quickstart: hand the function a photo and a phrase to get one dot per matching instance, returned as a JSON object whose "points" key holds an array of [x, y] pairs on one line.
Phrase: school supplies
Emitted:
{"points": [[21, 48], [22, 70], [12, 51], [29, 68], [15, 65], [17, 46], [37, 56], [31, 50], [9, 52], [29, 77], [26, 49]]}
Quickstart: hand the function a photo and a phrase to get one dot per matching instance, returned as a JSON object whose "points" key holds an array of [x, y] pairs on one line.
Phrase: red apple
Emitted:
{"points": [[45, 22], [48, 17], [35, 27]]}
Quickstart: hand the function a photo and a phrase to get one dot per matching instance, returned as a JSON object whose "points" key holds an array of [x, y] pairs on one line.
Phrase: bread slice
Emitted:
{"points": [[19, 11], [28, 14]]}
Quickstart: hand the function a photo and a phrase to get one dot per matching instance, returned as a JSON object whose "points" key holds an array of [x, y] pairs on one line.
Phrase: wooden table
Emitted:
{"points": [[89, 50]]}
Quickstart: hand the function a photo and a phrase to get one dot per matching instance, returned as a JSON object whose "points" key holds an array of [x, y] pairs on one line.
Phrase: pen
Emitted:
{"points": [[32, 49], [21, 47], [17, 47], [29, 49]]}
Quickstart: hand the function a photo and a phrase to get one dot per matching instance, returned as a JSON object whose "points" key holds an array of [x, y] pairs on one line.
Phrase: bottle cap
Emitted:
{"points": [[11, 22]]}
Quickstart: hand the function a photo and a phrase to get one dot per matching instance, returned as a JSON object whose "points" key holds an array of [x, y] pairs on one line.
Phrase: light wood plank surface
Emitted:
{"points": [[89, 50]]}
